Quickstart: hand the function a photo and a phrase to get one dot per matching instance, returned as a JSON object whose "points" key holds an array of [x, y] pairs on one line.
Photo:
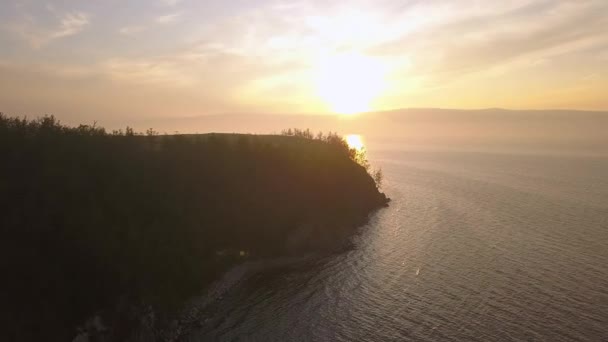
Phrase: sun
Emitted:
{"points": [[349, 82]]}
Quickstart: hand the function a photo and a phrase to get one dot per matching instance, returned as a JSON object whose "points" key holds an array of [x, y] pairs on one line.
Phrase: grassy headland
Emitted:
{"points": [[92, 219]]}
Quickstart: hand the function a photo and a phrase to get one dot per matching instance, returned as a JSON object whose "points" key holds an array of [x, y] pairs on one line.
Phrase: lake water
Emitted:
{"points": [[475, 246]]}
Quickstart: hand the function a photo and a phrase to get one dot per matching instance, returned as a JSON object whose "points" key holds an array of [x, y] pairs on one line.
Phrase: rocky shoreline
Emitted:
{"points": [[195, 314]]}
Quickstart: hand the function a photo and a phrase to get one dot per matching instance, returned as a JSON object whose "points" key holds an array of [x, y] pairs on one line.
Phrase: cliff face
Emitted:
{"points": [[92, 219]]}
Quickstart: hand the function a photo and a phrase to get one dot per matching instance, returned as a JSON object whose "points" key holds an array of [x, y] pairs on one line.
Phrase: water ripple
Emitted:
{"points": [[473, 248]]}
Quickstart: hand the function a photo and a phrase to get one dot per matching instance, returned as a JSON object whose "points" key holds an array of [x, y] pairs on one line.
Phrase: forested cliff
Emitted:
{"points": [[91, 218]]}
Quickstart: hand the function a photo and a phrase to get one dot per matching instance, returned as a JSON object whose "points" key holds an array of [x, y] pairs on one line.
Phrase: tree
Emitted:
{"points": [[378, 176]]}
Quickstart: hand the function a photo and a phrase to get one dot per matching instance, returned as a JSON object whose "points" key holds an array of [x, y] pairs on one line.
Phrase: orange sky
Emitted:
{"points": [[91, 60]]}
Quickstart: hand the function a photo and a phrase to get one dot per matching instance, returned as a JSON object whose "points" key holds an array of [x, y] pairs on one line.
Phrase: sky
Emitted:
{"points": [[87, 60]]}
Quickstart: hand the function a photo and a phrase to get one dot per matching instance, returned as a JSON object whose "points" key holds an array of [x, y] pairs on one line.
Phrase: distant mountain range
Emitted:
{"points": [[492, 126]]}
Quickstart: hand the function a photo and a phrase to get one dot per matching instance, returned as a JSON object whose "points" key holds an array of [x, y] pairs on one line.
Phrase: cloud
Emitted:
{"points": [[169, 18], [482, 40], [37, 36], [156, 71], [71, 23], [170, 3], [272, 47], [132, 30], [51, 70]]}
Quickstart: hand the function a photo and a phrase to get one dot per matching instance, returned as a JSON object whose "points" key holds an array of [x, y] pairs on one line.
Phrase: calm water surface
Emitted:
{"points": [[474, 247]]}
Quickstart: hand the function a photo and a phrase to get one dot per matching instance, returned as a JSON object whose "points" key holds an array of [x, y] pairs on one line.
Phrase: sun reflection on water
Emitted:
{"points": [[355, 141]]}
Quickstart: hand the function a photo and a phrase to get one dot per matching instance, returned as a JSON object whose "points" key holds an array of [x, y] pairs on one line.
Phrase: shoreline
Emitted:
{"points": [[196, 312]]}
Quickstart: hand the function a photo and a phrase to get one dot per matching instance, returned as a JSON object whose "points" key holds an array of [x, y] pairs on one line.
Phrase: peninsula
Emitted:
{"points": [[92, 220]]}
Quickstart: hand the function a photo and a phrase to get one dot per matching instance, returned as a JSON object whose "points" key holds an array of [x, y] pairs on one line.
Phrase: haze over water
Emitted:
{"points": [[478, 244]]}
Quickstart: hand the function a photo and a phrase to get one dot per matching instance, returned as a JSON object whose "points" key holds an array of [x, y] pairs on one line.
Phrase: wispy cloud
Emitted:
{"points": [[170, 2], [71, 23], [37, 36], [156, 70], [57, 71], [169, 18], [132, 30], [437, 50]]}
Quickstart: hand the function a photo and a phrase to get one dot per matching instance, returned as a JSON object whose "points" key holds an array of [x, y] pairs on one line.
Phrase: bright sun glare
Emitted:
{"points": [[355, 141], [349, 82]]}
